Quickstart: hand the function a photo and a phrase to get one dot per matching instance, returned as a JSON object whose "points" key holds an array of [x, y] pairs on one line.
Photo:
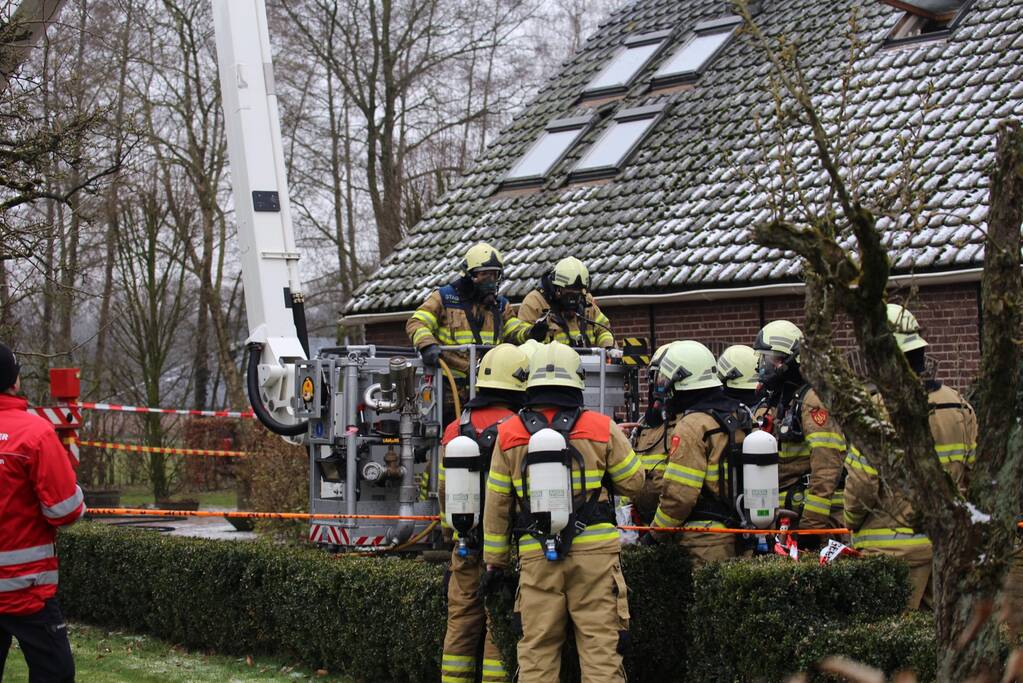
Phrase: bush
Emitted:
{"points": [[904, 642], [382, 619], [748, 616]]}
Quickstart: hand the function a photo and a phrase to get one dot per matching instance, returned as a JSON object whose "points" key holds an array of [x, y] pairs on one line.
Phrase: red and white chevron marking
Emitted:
{"points": [[244, 414], [62, 417], [335, 535]]}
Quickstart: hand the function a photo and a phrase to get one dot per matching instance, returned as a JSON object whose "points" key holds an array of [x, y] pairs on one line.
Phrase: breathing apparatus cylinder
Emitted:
{"points": [[462, 504], [760, 477], [550, 485]]}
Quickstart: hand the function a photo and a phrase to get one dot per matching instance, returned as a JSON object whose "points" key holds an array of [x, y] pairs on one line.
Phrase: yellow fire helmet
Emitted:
{"points": [[503, 367], [737, 367], [481, 256], [570, 272], [905, 328], [655, 360], [530, 347], [779, 336], [689, 365], [556, 365]]}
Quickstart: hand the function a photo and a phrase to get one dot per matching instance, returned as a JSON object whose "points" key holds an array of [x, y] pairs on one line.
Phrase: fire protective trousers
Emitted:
{"points": [[467, 624], [587, 588]]}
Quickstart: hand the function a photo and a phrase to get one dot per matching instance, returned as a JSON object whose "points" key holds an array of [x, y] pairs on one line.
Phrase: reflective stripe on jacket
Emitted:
{"points": [[442, 319], [879, 515], [535, 306], [604, 449]]}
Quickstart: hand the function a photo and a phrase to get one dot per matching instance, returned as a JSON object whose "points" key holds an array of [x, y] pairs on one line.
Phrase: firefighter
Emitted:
{"points": [[737, 370], [563, 310], [705, 443], [650, 440], [38, 494], [468, 310], [879, 515], [811, 444], [500, 391], [576, 573]]}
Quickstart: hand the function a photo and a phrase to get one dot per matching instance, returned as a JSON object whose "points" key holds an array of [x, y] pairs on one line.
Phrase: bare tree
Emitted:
{"points": [[972, 536]]}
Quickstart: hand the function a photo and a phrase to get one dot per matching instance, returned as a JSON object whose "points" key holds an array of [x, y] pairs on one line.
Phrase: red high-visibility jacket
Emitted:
{"points": [[38, 493]]}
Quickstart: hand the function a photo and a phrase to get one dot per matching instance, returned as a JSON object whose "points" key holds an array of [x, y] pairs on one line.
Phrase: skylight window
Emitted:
{"points": [[630, 60], [616, 144], [547, 151], [690, 61], [925, 20]]}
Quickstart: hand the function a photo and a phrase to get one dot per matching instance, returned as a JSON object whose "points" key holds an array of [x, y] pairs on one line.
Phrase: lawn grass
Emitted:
{"points": [[139, 496], [105, 656]]}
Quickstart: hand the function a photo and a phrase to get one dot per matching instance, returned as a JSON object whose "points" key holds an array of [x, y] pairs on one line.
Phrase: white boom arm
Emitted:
{"points": [[266, 240]]}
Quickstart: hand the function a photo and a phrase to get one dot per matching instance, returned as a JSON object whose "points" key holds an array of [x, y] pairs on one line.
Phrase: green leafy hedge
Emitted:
{"points": [[382, 619]]}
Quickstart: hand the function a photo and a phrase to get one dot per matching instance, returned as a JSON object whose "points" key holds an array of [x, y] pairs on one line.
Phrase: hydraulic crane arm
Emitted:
{"points": [[269, 258]]}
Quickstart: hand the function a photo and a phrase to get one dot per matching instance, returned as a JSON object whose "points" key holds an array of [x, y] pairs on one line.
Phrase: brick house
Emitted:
{"points": [[641, 158]]}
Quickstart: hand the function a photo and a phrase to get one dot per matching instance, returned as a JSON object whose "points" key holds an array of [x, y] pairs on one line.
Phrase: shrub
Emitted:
{"points": [[892, 644], [748, 616], [382, 619]]}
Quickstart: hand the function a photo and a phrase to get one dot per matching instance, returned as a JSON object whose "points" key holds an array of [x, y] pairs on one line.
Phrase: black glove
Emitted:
{"points": [[648, 539], [540, 330], [491, 581], [809, 542], [430, 355]]}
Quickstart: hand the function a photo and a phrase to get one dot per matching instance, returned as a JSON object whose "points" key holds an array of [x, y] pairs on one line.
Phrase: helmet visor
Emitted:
{"points": [[769, 363]]}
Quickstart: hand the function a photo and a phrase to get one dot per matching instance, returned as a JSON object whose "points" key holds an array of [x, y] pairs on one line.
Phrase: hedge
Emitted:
{"points": [[382, 619], [775, 603]]}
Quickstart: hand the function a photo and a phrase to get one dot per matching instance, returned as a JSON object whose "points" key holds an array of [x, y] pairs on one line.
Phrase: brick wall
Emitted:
{"points": [[947, 313]]}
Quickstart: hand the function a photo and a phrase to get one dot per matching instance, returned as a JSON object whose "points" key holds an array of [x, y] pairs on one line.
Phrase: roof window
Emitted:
{"points": [[925, 20], [547, 151], [635, 54], [690, 61], [615, 145]]}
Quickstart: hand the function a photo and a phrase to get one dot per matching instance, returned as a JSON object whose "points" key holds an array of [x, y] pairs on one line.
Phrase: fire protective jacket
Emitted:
{"points": [[568, 331], [450, 317], [696, 477], [652, 445], [879, 516], [604, 449], [820, 453], [38, 493]]}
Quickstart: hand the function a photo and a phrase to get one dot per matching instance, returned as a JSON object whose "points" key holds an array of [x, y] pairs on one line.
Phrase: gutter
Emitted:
{"points": [[610, 301]]}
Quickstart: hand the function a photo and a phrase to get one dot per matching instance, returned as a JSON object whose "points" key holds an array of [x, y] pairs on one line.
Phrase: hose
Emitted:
{"points": [[262, 414], [454, 387]]}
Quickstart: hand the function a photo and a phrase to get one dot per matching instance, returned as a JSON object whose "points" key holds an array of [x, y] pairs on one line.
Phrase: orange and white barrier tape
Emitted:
{"points": [[161, 449], [251, 515], [244, 414]]}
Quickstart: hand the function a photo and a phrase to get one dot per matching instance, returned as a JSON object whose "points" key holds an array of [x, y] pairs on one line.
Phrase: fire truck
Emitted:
{"points": [[371, 416]]}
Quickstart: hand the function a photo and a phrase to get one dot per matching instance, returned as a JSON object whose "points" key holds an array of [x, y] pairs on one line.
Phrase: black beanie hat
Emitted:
{"points": [[9, 367]]}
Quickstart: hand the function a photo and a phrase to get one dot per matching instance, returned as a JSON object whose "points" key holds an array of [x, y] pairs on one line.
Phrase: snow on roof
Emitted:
{"points": [[678, 215]]}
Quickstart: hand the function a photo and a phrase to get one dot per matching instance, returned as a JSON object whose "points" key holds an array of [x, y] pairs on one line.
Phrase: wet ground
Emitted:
{"points": [[195, 527]]}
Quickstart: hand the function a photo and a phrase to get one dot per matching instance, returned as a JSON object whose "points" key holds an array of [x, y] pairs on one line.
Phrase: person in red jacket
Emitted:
{"points": [[38, 494]]}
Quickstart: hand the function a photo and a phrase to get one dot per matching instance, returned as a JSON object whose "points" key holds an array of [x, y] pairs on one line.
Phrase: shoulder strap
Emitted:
{"points": [[450, 297]]}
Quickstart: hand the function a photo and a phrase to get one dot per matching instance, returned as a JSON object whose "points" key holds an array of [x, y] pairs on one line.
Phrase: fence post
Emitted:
{"points": [[66, 389]]}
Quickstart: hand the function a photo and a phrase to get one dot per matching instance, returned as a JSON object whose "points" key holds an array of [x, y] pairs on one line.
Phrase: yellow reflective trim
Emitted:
{"points": [[459, 658], [686, 476], [663, 519], [821, 506], [425, 317], [593, 534], [445, 678], [626, 468], [794, 450], [825, 440]]}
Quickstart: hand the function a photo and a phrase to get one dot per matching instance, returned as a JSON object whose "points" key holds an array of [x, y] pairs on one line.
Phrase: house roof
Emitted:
{"points": [[678, 215]]}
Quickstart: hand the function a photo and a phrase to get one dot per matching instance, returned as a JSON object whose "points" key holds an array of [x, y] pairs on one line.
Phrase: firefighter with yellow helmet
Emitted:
{"points": [[500, 391], [879, 515], [811, 443], [706, 444], [563, 309], [651, 437], [737, 370], [558, 465], [468, 310]]}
